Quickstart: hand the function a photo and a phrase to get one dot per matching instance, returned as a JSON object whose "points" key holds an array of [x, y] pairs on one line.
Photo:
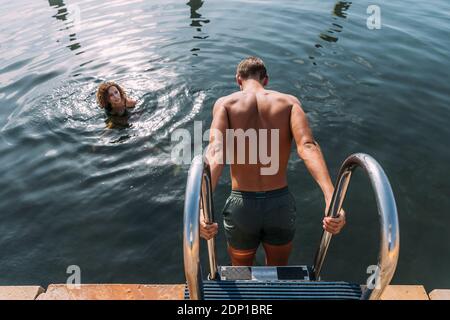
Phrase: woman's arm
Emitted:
{"points": [[130, 103]]}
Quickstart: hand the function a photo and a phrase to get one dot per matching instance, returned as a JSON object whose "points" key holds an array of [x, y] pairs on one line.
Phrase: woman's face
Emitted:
{"points": [[114, 95]]}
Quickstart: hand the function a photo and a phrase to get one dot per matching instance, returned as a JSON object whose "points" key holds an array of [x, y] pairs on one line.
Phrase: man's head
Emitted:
{"points": [[252, 68]]}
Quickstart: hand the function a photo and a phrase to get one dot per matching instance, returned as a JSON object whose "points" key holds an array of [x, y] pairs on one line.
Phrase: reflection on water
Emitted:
{"points": [[197, 21], [340, 8], [339, 12], [62, 10], [62, 15]]}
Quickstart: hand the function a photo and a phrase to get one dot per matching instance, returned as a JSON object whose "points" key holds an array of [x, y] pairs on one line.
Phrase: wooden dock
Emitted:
{"points": [[170, 292]]}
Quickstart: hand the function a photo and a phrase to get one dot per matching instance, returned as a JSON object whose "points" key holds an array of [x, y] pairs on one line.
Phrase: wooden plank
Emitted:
{"points": [[169, 292], [20, 292], [114, 292], [440, 294], [402, 292]]}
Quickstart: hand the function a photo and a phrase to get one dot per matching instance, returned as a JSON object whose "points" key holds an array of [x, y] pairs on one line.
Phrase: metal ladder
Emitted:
{"points": [[290, 282]]}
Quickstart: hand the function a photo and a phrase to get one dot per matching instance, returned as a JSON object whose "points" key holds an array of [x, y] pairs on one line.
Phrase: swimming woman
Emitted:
{"points": [[112, 98]]}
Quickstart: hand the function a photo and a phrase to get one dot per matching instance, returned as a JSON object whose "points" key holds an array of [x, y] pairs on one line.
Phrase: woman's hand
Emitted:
{"points": [[131, 103]]}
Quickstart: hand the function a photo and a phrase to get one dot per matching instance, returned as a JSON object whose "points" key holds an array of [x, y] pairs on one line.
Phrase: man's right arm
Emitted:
{"points": [[217, 142], [216, 158]]}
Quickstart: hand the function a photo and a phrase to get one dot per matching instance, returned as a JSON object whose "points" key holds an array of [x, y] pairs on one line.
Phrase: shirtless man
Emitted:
{"points": [[260, 208]]}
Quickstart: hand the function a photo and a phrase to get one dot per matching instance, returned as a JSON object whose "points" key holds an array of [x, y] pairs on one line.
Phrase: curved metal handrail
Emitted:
{"points": [[198, 195], [387, 211]]}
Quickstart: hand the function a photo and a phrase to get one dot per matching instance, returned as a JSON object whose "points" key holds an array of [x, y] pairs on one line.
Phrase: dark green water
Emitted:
{"points": [[73, 192]]}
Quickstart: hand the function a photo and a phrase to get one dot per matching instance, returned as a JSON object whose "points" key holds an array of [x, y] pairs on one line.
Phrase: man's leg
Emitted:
{"points": [[277, 255], [241, 257], [279, 228]]}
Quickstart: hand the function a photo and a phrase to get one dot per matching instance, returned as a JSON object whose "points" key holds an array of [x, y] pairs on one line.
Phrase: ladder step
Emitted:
{"points": [[288, 290], [301, 273]]}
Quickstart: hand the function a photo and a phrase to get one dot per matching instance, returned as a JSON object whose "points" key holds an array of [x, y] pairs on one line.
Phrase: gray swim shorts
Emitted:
{"points": [[254, 217]]}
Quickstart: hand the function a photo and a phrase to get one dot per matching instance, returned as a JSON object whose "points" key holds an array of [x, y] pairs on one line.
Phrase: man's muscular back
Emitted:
{"points": [[261, 111]]}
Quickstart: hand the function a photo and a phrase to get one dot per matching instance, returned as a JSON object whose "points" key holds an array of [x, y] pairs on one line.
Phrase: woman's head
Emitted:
{"points": [[108, 93]]}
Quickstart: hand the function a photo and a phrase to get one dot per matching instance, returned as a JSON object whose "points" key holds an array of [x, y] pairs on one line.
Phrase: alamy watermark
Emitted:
{"points": [[236, 146], [373, 281], [374, 20], [74, 280]]}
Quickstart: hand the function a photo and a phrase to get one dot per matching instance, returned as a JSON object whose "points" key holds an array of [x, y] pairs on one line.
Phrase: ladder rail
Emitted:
{"points": [[198, 195], [208, 212], [387, 211]]}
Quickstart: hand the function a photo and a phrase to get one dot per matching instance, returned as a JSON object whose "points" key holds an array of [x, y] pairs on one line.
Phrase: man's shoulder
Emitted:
{"points": [[283, 96], [283, 101], [225, 102], [229, 99], [280, 98]]}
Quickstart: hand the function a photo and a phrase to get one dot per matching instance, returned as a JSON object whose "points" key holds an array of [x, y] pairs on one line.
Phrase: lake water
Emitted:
{"points": [[73, 192]]}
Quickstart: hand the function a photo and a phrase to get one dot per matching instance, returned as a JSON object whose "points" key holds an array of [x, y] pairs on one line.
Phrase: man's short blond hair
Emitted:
{"points": [[252, 67]]}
